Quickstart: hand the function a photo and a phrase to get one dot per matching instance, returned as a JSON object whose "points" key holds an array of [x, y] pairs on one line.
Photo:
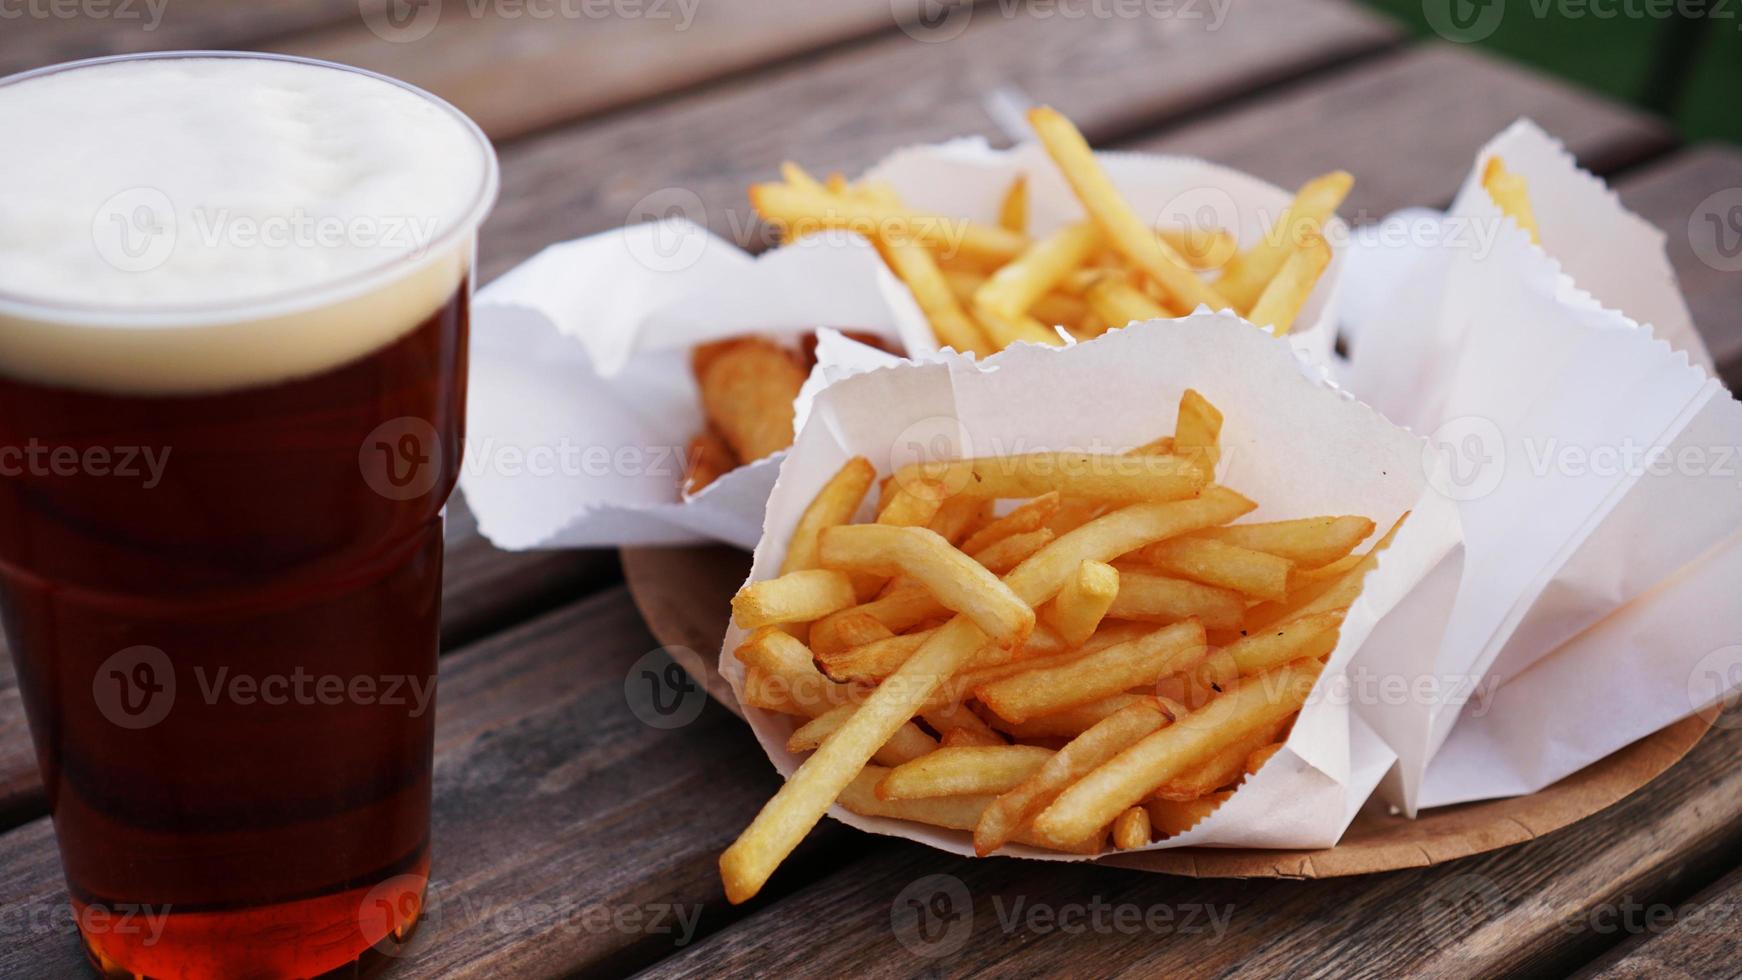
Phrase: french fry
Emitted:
{"points": [[785, 819], [1131, 829], [747, 389], [796, 175], [1119, 303], [908, 742], [901, 609], [848, 631], [1094, 801], [913, 504], [1197, 433], [870, 661], [1006, 328], [1222, 769], [914, 265], [1083, 602], [1004, 819], [1310, 542], [796, 597], [875, 215], [1124, 230], [1107, 477], [1159, 599], [1202, 248], [957, 516], [836, 503], [1244, 277], [1227, 566], [957, 725], [1031, 516], [1307, 637], [1068, 723], [956, 580], [951, 812], [1002, 556], [1277, 307], [1170, 819], [1098, 675], [1013, 208], [965, 771], [707, 459], [1120, 532], [1337, 593], [1260, 756], [1015, 287], [1511, 195], [1056, 308]]}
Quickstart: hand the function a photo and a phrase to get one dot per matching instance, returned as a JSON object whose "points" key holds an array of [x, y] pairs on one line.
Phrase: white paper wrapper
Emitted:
{"points": [[1292, 443], [1594, 464], [581, 393]]}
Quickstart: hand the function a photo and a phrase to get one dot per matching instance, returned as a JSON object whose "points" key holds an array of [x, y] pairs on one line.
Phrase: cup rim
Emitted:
{"points": [[289, 302]]}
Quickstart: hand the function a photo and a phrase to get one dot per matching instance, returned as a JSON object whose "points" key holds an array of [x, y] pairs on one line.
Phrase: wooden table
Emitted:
{"points": [[571, 838]]}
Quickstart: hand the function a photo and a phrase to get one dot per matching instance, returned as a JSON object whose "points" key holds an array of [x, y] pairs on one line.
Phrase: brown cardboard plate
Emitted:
{"points": [[685, 595]]}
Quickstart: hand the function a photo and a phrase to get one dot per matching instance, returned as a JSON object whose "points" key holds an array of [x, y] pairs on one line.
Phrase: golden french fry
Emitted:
{"points": [[1001, 556], [848, 631], [914, 265], [913, 504], [1056, 308], [1244, 277], [1095, 800], [1083, 602], [1202, 248], [1170, 819], [1014, 288], [1307, 637], [1260, 756], [1004, 820], [1119, 303], [1325, 596], [870, 661], [1124, 230], [1013, 209], [796, 597], [952, 812], [1068, 723], [782, 677], [747, 389], [900, 609], [1277, 307], [1131, 829], [1224, 768], [1511, 194], [957, 725], [957, 581], [908, 742], [1031, 516], [1159, 599], [1310, 542], [1098, 675], [958, 515], [1227, 566], [819, 781], [963, 771], [707, 459], [875, 215], [1198, 433], [1125, 530], [1007, 328], [796, 175], [835, 503], [1108, 477]]}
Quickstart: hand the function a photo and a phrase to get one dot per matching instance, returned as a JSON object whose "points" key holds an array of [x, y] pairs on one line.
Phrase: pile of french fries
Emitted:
{"points": [[1108, 658], [983, 287]]}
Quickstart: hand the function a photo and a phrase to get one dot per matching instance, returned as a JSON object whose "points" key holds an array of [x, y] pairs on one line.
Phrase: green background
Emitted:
{"points": [[1688, 71]]}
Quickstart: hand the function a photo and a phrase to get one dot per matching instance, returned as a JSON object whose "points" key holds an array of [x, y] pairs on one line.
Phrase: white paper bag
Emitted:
{"points": [[1291, 442]]}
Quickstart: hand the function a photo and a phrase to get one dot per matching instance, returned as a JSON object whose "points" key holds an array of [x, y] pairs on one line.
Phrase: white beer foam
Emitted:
{"points": [[196, 223]]}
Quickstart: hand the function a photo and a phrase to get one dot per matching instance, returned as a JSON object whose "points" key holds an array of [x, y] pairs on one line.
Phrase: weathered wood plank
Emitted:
{"points": [[1408, 126], [554, 796], [1696, 938], [856, 105], [1533, 908]]}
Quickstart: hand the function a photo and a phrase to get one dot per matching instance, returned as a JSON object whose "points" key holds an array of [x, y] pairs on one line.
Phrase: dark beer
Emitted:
{"points": [[223, 605]]}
